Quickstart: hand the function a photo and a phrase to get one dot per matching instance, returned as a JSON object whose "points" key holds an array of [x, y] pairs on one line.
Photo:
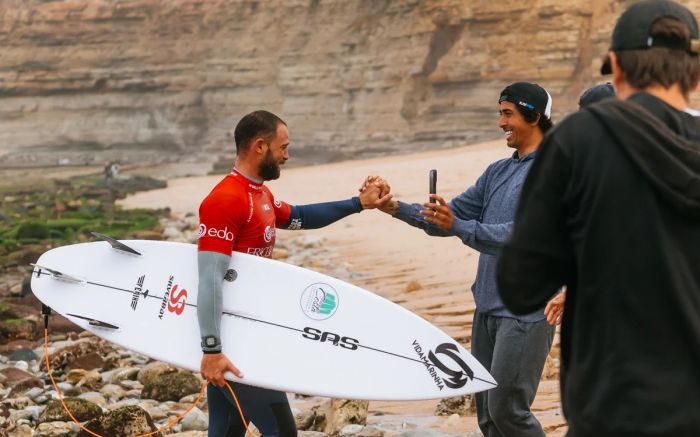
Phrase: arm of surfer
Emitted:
{"points": [[318, 215], [212, 269]]}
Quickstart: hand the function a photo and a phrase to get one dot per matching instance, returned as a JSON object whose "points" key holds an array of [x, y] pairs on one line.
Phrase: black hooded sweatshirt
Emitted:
{"points": [[611, 208]]}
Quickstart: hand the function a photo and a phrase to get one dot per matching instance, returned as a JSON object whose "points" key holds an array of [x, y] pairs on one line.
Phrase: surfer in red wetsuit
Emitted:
{"points": [[241, 215]]}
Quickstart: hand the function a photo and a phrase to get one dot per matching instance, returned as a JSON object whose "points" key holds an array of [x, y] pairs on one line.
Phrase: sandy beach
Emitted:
{"points": [[387, 255]]}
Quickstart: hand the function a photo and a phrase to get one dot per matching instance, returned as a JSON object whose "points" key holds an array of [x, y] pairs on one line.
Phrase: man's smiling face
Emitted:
{"points": [[511, 121]]}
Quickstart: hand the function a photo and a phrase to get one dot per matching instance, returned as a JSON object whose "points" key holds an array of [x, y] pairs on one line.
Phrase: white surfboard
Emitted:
{"points": [[285, 327]]}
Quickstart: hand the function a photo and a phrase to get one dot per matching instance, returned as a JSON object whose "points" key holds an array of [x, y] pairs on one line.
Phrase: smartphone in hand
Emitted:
{"points": [[432, 180]]}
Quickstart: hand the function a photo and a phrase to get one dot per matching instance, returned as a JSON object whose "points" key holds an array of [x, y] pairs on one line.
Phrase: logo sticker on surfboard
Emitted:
{"points": [[319, 301]]}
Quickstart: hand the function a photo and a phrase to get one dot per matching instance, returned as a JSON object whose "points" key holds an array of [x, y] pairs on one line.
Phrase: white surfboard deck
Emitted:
{"points": [[285, 327]]}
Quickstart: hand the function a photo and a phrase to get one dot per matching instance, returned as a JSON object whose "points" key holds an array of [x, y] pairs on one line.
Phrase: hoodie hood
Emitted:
{"points": [[670, 159]]}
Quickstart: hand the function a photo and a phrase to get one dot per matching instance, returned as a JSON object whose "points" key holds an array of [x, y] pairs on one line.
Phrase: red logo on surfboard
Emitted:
{"points": [[177, 301], [173, 299]]}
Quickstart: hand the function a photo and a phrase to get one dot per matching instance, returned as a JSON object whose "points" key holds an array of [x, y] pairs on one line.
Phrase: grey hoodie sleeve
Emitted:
{"points": [[212, 269], [466, 208], [485, 238]]}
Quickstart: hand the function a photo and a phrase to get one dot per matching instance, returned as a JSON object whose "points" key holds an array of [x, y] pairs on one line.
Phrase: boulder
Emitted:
{"points": [[22, 430], [17, 403], [20, 381], [81, 409], [113, 392], [124, 421], [84, 378], [65, 357], [154, 409], [154, 369], [90, 361], [95, 398], [35, 411], [171, 386], [56, 429], [34, 392], [123, 374], [23, 354], [306, 420], [9, 348], [17, 329], [333, 415], [195, 420], [462, 405]]}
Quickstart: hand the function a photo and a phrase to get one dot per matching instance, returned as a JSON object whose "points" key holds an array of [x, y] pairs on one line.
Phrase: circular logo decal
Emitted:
{"points": [[319, 301], [269, 233], [202, 230], [278, 204]]}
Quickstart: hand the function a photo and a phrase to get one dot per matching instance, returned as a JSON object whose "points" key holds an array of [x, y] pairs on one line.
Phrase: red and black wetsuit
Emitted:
{"points": [[242, 215]]}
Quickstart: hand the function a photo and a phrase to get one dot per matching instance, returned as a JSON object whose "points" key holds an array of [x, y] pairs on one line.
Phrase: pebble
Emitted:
{"points": [[35, 411], [34, 392], [94, 397], [195, 420]]}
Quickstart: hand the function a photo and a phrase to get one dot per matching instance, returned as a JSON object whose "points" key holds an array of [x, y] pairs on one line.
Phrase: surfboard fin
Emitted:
{"points": [[118, 245], [58, 275], [95, 322]]}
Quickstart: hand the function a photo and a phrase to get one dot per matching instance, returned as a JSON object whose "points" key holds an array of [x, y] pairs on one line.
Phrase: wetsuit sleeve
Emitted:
{"points": [[318, 215], [212, 269], [220, 219], [538, 259]]}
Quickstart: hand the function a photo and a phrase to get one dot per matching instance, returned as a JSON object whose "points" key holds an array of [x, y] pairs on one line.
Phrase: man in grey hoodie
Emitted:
{"points": [[611, 209], [512, 348]]}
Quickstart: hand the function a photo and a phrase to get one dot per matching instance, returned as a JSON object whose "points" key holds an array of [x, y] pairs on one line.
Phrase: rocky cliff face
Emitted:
{"points": [[82, 81]]}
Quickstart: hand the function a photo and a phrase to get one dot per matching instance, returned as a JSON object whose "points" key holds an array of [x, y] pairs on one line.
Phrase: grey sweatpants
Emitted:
{"points": [[514, 352]]}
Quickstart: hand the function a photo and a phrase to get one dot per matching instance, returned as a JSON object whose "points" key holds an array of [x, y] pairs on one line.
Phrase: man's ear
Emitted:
{"points": [[258, 146], [537, 120]]}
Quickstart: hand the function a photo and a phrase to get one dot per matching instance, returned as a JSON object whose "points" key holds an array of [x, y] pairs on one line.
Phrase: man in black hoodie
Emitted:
{"points": [[611, 208]]}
